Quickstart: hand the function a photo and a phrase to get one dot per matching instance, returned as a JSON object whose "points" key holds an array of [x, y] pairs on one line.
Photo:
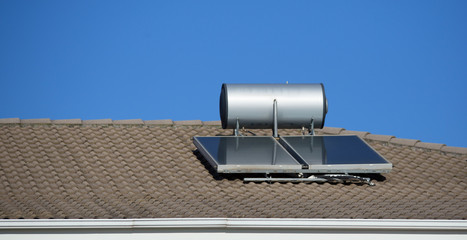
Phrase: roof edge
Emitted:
{"points": [[168, 122]]}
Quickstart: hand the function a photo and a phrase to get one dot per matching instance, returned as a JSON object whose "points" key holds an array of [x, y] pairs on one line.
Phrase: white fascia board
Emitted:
{"points": [[238, 223]]}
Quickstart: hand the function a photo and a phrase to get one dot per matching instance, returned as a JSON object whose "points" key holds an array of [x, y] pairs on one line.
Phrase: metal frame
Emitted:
{"points": [[334, 178]]}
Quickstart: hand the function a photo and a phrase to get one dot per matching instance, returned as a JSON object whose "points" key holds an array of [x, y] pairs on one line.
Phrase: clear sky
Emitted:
{"points": [[388, 67]]}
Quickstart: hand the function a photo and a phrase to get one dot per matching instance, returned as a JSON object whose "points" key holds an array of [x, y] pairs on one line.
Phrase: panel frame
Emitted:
{"points": [[339, 168], [221, 168]]}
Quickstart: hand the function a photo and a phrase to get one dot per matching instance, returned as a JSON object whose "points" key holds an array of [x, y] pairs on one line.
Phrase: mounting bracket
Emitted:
{"points": [[331, 178]]}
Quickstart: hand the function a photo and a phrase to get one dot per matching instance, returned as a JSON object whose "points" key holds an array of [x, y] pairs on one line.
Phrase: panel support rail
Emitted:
{"points": [[331, 178]]}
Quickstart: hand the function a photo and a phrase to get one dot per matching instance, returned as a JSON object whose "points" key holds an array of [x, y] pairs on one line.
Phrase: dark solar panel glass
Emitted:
{"points": [[331, 150], [246, 151]]}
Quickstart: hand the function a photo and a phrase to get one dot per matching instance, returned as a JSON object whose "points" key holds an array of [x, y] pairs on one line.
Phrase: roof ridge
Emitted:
{"points": [[77, 121], [169, 122]]}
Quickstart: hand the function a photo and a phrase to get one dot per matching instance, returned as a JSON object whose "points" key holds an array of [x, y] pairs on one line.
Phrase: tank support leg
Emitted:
{"points": [[311, 130], [274, 119], [237, 128]]}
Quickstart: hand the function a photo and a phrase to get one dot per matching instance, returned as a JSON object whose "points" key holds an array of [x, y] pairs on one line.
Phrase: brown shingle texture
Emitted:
{"points": [[153, 171]]}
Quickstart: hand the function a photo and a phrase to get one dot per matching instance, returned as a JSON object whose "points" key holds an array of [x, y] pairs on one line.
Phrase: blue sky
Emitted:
{"points": [[389, 67]]}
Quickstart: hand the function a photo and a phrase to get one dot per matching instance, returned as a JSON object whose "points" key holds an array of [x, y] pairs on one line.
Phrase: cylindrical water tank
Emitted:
{"points": [[252, 105]]}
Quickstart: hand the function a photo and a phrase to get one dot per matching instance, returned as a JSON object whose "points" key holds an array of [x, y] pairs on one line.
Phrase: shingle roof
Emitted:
{"points": [[151, 169]]}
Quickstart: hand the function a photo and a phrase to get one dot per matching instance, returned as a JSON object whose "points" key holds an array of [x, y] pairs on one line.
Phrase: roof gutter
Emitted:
{"points": [[459, 226]]}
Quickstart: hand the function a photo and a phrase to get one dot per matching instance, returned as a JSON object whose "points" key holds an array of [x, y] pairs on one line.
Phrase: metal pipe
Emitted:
{"points": [[274, 111]]}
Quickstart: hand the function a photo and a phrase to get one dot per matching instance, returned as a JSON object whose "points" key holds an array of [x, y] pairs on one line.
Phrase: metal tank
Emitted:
{"points": [[253, 105]]}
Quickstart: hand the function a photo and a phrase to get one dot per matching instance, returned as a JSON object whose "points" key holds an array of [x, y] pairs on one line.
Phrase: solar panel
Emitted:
{"points": [[294, 154], [276, 106], [246, 154], [336, 154]]}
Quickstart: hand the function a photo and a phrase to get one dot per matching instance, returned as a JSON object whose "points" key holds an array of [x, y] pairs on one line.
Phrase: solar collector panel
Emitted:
{"points": [[292, 154], [336, 154], [246, 154]]}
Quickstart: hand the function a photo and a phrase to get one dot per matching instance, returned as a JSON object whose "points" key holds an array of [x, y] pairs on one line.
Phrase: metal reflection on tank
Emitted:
{"points": [[251, 105]]}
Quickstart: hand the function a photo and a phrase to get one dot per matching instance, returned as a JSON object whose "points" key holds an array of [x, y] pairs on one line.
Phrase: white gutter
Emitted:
{"points": [[238, 223]]}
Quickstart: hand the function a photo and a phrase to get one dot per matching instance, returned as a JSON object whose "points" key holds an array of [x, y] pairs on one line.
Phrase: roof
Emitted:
{"points": [[151, 169]]}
